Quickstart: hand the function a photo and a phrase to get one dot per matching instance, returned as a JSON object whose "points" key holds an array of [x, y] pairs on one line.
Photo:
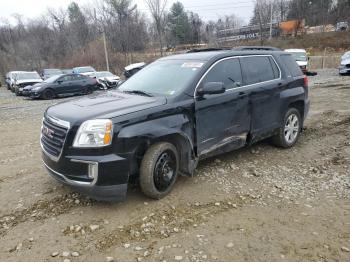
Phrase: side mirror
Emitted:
{"points": [[59, 82], [211, 88]]}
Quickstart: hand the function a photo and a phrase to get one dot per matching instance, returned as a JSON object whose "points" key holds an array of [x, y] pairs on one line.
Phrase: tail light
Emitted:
{"points": [[306, 81]]}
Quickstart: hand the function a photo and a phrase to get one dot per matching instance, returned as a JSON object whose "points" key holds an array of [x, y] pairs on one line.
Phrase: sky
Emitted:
{"points": [[207, 9]]}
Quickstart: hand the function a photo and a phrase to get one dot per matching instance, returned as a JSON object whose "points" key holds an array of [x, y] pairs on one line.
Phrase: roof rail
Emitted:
{"points": [[258, 48], [206, 50]]}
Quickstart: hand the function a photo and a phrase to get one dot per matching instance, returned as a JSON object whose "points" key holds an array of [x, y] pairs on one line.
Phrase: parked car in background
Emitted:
{"points": [[345, 64], [24, 79], [10, 79], [85, 70], [176, 111], [67, 71], [106, 79], [300, 55], [62, 85], [132, 69], [342, 26], [47, 73]]}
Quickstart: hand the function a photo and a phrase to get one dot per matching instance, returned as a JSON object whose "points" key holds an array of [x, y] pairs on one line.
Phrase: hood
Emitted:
{"points": [[302, 63], [110, 78], [345, 61], [106, 105], [24, 81]]}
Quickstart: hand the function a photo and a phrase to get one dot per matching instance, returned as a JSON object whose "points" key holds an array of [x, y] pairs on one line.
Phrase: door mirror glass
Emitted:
{"points": [[211, 88], [60, 81]]}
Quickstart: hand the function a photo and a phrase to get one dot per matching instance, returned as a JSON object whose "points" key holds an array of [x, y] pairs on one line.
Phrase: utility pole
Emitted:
{"points": [[105, 46], [271, 20]]}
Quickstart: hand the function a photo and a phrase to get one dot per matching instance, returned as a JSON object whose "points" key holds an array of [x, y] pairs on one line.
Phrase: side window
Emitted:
{"points": [[276, 71], [227, 71], [291, 65], [257, 69], [66, 78]]}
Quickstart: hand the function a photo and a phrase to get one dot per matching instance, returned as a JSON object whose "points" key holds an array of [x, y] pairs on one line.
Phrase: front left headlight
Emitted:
{"points": [[94, 133]]}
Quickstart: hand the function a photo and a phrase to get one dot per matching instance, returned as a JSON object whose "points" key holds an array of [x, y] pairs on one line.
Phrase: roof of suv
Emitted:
{"points": [[208, 55]]}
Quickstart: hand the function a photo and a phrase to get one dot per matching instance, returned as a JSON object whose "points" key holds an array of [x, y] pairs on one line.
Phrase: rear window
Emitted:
{"points": [[257, 69], [291, 65]]}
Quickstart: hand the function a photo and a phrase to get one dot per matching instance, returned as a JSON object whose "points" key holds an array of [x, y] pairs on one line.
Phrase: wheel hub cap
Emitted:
{"points": [[291, 128]]}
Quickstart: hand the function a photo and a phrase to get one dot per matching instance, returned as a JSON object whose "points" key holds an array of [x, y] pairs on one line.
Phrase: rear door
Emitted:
{"points": [[222, 120], [263, 77]]}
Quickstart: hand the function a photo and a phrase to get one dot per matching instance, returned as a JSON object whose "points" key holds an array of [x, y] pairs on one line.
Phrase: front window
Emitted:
{"points": [[346, 56], [165, 77], [26, 76], [52, 79], [299, 56]]}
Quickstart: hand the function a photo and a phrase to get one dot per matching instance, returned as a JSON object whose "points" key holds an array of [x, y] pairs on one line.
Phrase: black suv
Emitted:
{"points": [[173, 113]]}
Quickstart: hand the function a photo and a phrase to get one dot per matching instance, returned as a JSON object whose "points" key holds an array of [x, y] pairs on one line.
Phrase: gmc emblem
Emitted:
{"points": [[48, 132]]}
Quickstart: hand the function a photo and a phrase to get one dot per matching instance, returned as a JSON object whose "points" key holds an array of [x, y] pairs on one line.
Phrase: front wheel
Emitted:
{"points": [[159, 170], [48, 94], [290, 129]]}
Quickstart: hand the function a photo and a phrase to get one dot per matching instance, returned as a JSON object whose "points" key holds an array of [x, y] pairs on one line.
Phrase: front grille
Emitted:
{"points": [[53, 138], [348, 65]]}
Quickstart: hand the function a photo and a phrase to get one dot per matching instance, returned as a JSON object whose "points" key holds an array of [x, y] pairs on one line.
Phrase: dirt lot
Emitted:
{"points": [[256, 204]]}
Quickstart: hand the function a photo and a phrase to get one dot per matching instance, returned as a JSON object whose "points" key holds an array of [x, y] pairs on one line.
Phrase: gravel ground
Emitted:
{"points": [[256, 204]]}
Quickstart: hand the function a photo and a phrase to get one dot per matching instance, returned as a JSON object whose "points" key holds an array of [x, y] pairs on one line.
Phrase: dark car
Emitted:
{"points": [[132, 69], [62, 85], [173, 113]]}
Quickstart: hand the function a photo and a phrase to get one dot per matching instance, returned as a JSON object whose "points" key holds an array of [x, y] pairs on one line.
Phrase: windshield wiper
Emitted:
{"points": [[138, 92]]}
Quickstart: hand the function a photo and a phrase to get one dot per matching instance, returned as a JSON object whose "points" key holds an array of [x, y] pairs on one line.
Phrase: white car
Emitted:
{"points": [[107, 79], [345, 64], [300, 56], [85, 70], [10, 79], [23, 79]]}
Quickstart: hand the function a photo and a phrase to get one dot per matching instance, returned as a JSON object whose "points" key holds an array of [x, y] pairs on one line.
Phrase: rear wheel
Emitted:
{"points": [[290, 129], [48, 94], [159, 170]]}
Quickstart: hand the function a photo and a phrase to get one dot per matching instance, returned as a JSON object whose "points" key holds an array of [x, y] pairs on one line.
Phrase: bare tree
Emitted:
{"points": [[157, 9]]}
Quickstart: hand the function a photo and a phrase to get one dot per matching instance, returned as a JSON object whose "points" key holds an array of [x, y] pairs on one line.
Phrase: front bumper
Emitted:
{"points": [[103, 178], [344, 70]]}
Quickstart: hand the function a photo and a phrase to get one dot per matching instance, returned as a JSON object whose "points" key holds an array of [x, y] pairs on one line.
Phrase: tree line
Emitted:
{"points": [[72, 36]]}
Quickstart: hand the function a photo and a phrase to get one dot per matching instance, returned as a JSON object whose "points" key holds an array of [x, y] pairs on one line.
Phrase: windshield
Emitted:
{"points": [[166, 77], [25, 76], [52, 79], [104, 74], [346, 56], [52, 72], [300, 56], [84, 69]]}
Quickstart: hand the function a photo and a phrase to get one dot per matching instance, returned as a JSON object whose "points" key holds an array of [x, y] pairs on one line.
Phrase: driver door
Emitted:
{"points": [[222, 120]]}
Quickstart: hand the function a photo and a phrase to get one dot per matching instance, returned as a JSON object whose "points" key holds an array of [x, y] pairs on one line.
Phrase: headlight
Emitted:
{"points": [[94, 133]]}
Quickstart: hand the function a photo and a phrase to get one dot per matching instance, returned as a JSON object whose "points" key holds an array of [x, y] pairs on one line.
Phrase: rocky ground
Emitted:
{"points": [[256, 204]]}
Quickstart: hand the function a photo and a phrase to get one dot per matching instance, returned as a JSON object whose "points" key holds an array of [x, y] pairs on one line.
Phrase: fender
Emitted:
{"points": [[290, 96], [177, 129]]}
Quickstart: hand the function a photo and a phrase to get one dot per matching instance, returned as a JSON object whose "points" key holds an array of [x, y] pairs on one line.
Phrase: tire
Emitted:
{"points": [[159, 170], [290, 129], [48, 94]]}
